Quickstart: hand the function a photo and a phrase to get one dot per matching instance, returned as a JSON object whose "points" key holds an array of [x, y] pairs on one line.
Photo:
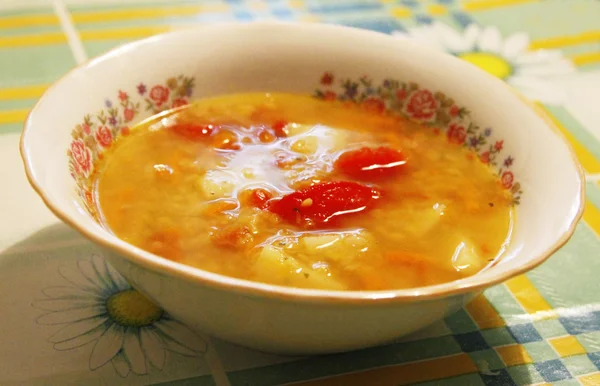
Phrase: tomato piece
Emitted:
{"points": [[193, 131], [233, 236], [257, 198], [325, 203], [371, 163], [279, 128], [218, 207]]}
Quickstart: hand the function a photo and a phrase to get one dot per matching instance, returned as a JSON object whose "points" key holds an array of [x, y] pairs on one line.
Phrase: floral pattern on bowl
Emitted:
{"points": [[432, 109], [97, 132]]}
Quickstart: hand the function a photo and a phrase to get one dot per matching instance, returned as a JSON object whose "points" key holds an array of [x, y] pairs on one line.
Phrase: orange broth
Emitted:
{"points": [[206, 186]]}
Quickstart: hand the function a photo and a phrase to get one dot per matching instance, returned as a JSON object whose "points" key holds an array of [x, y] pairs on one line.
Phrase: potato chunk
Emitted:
{"points": [[275, 266]]}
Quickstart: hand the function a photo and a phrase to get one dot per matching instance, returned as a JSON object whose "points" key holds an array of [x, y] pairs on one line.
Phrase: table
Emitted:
{"points": [[540, 328]]}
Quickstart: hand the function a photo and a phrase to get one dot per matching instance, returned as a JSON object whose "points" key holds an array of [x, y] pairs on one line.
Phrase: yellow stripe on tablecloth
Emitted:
{"points": [[564, 41], [33, 40], [404, 374], [513, 355], [437, 10], [401, 12], [28, 21], [583, 59], [144, 13], [137, 32], [481, 5], [26, 92], [484, 314], [13, 116], [122, 33], [530, 298], [591, 216], [566, 346], [590, 379], [586, 158], [297, 4]]}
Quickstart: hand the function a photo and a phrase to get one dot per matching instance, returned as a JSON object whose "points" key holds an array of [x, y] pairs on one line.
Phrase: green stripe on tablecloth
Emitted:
{"points": [[590, 341], [560, 17], [17, 104], [205, 380], [525, 374], [579, 132], [167, 21], [100, 47], [579, 365], [503, 301], [593, 193], [98, 6], [497, 336], [5, 32], [7, 13], [322, 366], [460, 322], [11, 128], [34, 64], [555, 279]]}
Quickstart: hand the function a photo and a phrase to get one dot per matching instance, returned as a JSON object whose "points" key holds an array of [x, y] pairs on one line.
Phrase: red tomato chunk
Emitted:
{"points": [[371, 163], [325, 203], [193, 131]]}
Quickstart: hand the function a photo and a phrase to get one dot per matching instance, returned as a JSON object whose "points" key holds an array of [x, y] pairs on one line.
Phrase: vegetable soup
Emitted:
{"points": [[292, 190]]}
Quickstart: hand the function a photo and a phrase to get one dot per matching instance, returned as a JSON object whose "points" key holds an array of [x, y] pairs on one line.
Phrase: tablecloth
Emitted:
{"points": [[539, 328]]}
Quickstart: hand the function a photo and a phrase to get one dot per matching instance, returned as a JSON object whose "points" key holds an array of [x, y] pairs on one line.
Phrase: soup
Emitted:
{"points": [[292, 190]]}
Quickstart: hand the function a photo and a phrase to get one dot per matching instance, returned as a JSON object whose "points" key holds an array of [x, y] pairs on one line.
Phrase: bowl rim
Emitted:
{"points": [[245, 287]]}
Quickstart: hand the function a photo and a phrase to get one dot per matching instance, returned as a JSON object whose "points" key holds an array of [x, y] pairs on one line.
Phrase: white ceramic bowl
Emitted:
{"points": [[79, 116]]}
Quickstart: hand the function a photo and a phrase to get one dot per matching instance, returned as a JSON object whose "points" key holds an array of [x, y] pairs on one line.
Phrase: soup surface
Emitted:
{"points": [[292, 190]]}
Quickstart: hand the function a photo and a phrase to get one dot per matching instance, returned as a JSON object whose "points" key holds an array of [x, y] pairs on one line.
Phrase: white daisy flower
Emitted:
{"points": [[126, 329], [510, 59]]}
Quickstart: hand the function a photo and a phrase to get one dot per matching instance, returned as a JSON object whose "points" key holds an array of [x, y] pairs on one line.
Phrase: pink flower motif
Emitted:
{"points": [[123, 96], [422, 105], [104, 136], [86, 129], [456, 134], [499, 145], [76, 168], [159, 94], [507, 179], [401, 94], [454, 110], [124, 130], [327, 78], [128, 114], [82, 156], [374, 105], [179, 102], [485, 157], [329, 96]]}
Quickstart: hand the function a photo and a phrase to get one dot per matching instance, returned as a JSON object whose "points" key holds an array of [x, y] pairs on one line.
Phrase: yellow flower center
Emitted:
{"points": [[493, 64], [130, 308]]}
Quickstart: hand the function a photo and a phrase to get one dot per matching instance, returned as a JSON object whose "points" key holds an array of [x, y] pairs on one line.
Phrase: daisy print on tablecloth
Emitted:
{"points": [[98, 307], [508, 58]]}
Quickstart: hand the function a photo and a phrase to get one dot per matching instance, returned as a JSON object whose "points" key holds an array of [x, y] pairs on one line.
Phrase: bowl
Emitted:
{"points": [[81, 114]]}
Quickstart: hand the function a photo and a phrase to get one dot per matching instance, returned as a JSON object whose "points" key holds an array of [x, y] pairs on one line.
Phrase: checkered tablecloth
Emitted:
{"points": [[540, 328]]}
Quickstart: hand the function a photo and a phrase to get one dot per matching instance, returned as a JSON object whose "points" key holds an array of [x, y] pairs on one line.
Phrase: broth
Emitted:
{"points": [[291, 190]]}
